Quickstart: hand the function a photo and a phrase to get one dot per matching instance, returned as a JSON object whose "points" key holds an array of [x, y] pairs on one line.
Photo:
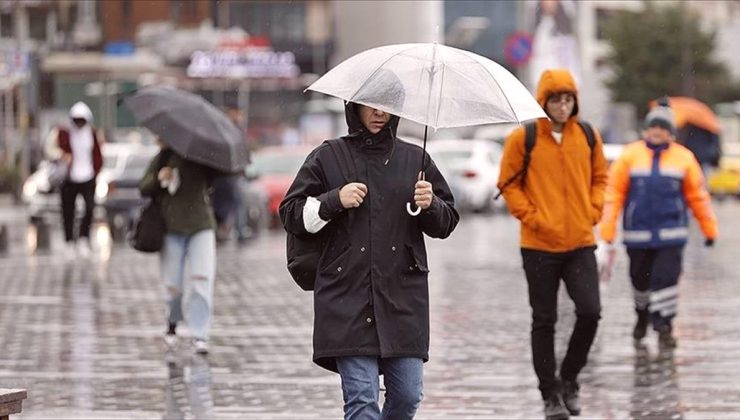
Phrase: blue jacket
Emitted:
{"points": [[656, 185]]}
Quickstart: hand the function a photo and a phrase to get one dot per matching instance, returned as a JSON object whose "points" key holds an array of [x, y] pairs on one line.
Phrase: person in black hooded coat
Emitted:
{"points": [[371, 298]]}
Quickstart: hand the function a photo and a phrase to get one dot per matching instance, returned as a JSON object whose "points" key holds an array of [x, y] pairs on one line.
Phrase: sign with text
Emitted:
{"points": [[243, 64]]}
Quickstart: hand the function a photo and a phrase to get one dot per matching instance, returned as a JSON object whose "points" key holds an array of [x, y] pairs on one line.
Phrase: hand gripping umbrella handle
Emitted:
{"points": [[412, 212], [423, 163]]}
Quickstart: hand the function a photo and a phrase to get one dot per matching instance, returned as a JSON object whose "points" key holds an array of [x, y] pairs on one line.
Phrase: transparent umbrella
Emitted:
{"points": [[431, 84]]}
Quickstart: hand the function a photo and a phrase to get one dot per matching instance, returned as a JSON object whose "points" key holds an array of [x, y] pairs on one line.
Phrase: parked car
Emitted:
{"points": [[273, 169], [471, 168], [117, 189], [612, 151], [725, 181], [42, 200], [255, 201]]}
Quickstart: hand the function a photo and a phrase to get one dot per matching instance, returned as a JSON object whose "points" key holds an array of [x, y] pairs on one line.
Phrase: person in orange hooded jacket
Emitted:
{"points": [[657, 180], [558, 200]]}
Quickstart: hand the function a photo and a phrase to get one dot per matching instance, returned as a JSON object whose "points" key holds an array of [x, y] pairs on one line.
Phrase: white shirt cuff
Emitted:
{"points": [[311, 220]]}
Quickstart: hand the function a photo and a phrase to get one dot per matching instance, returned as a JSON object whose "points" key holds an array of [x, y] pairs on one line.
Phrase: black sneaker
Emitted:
{"points": [[640, 330], [570, 397], [666, 341], [555, 408]]}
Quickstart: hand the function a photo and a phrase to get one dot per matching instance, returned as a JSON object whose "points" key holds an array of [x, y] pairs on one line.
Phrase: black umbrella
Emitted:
{"points": [[191, 126]]}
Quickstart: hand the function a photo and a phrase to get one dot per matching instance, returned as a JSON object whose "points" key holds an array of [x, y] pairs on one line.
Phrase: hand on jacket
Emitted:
{"points": [[67, 158], [352, 194], [709, 242], [423, 194], [165, 174]]}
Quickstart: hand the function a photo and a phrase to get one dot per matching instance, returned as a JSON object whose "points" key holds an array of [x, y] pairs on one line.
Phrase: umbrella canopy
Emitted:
{"points": [[692, 111], [431, 84], [191, 126]]}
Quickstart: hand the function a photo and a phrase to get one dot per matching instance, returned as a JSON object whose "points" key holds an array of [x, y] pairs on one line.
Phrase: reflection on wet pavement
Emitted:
{"points": [[188, 387], [656, 394], [84, 336]]}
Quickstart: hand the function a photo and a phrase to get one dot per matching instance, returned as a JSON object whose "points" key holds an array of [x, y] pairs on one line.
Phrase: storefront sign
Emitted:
{"points": [[243, 64]]}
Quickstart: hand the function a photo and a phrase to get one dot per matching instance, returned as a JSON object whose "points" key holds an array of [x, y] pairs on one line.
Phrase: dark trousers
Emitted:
{"points": [[654, 273], [580, 274], [70, 190]]}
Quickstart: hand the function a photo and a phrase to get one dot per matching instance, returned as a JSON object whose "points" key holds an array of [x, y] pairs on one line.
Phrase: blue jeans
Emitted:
{"points": [[402, 377], [195, 255]]}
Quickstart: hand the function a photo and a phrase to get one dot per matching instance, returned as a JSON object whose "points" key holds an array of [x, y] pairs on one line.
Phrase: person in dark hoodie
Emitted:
{"points": [[371, 299]]}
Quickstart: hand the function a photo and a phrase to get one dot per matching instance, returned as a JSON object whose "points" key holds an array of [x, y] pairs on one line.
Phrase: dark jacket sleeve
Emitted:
{"points": [[439, 219], [149, 184], [309, 182]]}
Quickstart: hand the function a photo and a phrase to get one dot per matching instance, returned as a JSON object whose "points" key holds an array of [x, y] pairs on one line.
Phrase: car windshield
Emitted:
{"points": [[276, 164], [135, 166]]}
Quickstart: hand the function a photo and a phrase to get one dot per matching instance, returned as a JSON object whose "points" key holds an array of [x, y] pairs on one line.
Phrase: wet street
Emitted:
{"points": [[84, 337]]}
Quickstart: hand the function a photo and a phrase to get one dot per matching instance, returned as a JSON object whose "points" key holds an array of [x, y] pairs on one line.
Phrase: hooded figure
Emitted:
{"points": [[558, 207], [79, 147], [371, 294]]}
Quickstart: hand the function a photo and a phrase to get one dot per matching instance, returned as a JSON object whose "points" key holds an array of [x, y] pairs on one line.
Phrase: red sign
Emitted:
{"points": [[518, 48]]}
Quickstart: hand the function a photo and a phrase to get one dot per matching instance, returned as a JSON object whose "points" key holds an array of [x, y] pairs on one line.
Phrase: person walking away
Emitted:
{"points": [[79, 146], [556, 190], [229, 201], [371, 298], [188, 255], [657, 180]]}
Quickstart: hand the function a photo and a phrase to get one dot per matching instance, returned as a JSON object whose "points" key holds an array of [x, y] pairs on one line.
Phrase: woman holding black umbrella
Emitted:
{"points": [[198, 143], [189, 243]]}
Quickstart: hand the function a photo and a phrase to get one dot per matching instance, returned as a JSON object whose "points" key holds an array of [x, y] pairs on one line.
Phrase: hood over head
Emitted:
{"points": [[81, 110], [385, 88], [556, 81]]}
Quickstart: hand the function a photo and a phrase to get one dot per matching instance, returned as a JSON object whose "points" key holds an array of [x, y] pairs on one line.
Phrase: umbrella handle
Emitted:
{"points": [[412, 212]]}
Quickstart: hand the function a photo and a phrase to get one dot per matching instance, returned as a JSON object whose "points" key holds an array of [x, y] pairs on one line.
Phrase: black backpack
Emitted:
{"points": [[303, 252], [530, 139]]}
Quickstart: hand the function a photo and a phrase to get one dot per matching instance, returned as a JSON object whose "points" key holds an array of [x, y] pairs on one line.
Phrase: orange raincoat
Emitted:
{"points": [[563, 196]]}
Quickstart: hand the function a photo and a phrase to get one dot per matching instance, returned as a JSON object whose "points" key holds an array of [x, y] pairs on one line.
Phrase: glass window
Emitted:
{"points": [[279, 20], [6, 25], [37, 23]]}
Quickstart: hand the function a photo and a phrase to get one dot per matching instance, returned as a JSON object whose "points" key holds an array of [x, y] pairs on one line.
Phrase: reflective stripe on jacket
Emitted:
{"points": [[656, 185]]}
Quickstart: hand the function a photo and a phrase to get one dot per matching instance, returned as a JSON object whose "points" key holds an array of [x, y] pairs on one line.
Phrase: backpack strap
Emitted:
{"points": [[589, 132], [345, 164], [530, 137]]}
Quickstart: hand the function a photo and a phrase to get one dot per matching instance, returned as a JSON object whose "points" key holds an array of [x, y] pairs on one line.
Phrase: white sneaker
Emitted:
{"points": [[83, 249], [201, 346], [170, 340], [69, 251]]}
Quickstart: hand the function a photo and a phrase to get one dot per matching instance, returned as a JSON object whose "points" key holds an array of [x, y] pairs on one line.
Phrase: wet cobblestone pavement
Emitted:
{"points": [[84, 337]]}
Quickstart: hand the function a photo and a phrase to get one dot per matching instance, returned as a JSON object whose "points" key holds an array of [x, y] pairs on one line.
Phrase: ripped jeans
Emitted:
{"points": [[193, 256]]}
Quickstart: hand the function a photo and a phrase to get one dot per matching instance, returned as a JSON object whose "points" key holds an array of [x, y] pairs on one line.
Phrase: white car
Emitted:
{"points": [[471, 168], [612, 151]]}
